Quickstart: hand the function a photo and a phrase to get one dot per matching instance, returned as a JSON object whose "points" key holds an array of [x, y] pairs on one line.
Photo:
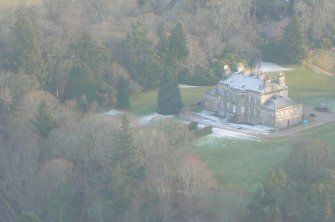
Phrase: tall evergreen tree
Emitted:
{"points": [[169, 98], [126, 168], [81, 83], [178, 44], [92, 54], [163, 47], [293, 42], [141, 58], [122, 95], [43, 122], [28, 52]]}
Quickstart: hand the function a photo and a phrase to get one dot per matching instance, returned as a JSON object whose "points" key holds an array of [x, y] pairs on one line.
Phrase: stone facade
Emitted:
{"points": [[254, 99]]}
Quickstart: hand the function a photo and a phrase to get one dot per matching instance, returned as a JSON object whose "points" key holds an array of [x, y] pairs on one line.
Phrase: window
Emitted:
{"points": [[228, 104], [242, 109], [234, 109]]}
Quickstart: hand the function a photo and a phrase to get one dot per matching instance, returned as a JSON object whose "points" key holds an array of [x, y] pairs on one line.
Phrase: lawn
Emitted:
{"points": [[146, 102], [242, 165], [311, 88], [324, 59]]}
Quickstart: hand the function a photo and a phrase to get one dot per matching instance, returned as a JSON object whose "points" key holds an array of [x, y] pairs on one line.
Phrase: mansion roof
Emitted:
{"points": [[244, 82]]}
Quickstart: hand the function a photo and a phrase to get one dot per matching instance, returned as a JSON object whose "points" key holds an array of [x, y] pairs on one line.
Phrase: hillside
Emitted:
{"points": [[323, 59]]}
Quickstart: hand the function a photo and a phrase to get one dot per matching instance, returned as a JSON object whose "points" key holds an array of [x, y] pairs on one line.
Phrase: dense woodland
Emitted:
{"points": [[63, 62]]}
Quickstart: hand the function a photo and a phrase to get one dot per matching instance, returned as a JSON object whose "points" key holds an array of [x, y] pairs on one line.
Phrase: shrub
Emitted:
{"points": [[203, 132], [192, 125]]}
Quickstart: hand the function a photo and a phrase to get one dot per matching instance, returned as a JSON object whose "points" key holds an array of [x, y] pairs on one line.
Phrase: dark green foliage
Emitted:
{"points": [[81, 82], [293, 42], [28, 52], [169, 98], [91, 76], [307, 159], [83, 104], [192, 125], [126, 168], [122, 95], [43, 122], [276, 9], [202, 76], [61, 201], [30, 217], [178, 48], [273, 51], [141, 58], [303, 191], [91, 54], [163, 48]]}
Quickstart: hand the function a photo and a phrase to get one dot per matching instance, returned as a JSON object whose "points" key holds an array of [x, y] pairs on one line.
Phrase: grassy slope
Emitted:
{"points": [[243, 164], [325, 59], [311, 88]]}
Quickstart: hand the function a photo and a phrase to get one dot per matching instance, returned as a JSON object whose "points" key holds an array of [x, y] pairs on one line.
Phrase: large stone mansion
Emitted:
{"points": [[253, 99]]}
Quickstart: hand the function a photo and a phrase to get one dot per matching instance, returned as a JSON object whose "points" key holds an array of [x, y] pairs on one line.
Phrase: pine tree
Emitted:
{"points": [[163, 47], [293, 42], [141, 58], [81, 83], [43, 122], [92, 54], [178, 43], [28, 53], [126, 167], [122, 95], [169, 98]]}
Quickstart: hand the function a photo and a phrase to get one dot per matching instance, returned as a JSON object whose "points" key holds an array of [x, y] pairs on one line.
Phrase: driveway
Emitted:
{"points": [[320, 119]]}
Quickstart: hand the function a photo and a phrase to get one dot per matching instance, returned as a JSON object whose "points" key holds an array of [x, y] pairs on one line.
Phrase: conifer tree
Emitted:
{"points": [[126, 168], [93, 54], [122, 95], [141, 58], [43, 122], [163, 47], [293, 42], [178, 43], [81, 83], [169, 98]]}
